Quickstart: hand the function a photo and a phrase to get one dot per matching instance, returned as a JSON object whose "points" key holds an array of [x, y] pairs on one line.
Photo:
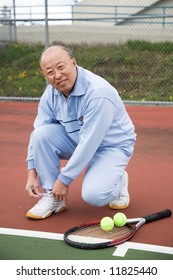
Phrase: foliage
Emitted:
{"points": [[139, 70]]}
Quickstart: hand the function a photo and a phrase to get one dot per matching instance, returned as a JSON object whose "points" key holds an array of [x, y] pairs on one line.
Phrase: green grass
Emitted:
{"points": [[139, 70]]}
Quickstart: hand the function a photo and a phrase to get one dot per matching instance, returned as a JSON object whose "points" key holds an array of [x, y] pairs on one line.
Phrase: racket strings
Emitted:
{"points": [[95, 232]]}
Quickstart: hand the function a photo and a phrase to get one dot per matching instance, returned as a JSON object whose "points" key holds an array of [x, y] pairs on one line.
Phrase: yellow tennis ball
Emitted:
{"points": [[120, 219], [107, 223]]}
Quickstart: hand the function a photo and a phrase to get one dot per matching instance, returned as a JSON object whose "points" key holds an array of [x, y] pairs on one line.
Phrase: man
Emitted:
{"points": [[80, 118]]}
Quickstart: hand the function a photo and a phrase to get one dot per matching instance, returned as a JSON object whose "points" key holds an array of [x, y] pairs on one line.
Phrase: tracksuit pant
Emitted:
{"points": [[104, 176]]}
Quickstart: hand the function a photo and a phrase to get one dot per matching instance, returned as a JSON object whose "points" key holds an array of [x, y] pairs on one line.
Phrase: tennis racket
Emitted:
{"points": [[91, 236]]}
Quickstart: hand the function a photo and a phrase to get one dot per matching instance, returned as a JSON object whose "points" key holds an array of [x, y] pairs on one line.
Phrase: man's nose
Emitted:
{"points": [[58, 74]]}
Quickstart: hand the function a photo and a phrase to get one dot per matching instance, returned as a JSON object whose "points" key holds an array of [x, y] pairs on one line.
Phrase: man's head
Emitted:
{"points": [[59, 67]]}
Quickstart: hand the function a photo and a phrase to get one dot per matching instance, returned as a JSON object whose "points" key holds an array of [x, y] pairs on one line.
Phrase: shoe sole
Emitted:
{"points": [[36, 217], [117, 207]]}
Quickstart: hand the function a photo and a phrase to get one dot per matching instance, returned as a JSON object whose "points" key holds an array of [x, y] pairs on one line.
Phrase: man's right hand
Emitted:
{"points": [[32, 185]]}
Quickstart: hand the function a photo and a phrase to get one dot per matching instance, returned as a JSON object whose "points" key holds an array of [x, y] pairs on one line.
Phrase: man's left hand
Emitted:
{"points": [[60, 191]]}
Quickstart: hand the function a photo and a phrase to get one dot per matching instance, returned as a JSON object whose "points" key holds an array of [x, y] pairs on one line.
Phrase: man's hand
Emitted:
{"points": [[60, 191], [32, 185]]}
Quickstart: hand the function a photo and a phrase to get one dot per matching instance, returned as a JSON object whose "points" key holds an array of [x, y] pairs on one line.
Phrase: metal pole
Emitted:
{"points": [[164, 12], [46, 25], [14, 23], [115, 15]]}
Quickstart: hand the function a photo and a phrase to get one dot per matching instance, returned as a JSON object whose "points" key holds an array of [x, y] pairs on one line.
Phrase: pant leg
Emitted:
{"points": [[50, 144], [104, 177]]}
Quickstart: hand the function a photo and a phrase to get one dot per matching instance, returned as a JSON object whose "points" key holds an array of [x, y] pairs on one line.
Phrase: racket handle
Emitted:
{"points": [[157, 216]]}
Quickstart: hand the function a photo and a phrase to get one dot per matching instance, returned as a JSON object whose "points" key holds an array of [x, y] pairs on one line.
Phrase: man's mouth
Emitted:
{"points": [[61, 83]]}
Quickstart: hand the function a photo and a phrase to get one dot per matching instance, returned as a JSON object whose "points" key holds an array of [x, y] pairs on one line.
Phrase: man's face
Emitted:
{"points": [[59, 69]]}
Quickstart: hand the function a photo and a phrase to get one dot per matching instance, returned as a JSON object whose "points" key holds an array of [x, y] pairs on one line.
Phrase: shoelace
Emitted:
{"points": [[44, 200]]}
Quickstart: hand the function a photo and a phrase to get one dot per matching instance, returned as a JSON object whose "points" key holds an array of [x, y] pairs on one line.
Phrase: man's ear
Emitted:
{"points": [[74, 61]]}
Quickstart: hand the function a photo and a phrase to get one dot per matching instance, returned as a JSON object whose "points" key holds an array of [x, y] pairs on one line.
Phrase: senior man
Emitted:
{"points": [[81, 118]]}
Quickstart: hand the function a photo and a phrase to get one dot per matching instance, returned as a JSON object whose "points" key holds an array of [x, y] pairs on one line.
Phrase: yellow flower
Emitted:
{"points": [[20, 88], [22, 75], [34, 90], [10, 78]]}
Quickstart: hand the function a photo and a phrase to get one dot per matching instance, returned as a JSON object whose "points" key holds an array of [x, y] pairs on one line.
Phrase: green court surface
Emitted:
{"points": [[31, 245]]}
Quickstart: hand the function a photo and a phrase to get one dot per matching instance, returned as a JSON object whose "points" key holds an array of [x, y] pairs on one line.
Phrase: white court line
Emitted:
{"points": [[31, 233], [120, 251]]}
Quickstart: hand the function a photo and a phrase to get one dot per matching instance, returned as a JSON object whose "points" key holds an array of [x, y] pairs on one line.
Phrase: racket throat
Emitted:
{"points": [[140, 223]]}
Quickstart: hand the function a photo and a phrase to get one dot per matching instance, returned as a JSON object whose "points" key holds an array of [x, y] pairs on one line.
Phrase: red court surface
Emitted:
{"points": [[150, 173]]}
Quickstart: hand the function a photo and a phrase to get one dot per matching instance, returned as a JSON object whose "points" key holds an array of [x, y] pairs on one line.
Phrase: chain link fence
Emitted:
{"points": [[129, 45]]}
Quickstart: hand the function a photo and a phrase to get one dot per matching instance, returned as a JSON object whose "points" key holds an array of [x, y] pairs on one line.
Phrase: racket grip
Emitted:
{"points": [[157, 216]]}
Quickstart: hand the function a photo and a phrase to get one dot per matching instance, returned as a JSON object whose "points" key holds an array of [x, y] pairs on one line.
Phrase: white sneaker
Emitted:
{"points": [[45, 207], [123, 199]]}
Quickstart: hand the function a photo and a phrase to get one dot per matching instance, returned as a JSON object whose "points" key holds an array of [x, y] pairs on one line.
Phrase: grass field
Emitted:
{"points": [[139, 70]]}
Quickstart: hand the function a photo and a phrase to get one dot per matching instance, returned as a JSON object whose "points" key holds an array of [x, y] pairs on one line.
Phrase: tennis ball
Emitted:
{"points": [[107, 223], [120, 219]]}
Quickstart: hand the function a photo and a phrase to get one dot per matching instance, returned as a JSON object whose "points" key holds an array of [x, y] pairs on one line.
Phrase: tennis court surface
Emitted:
{"points": [[151, 177]]}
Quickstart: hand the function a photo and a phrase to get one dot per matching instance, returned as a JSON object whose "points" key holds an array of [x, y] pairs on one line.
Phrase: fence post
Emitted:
{"points": [[46, 25], [115, 15], [14, 23], [164, 12], [46, 29]]}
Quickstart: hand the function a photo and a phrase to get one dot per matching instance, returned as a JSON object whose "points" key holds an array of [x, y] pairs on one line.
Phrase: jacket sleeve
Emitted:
{"points": [[98, 118]]}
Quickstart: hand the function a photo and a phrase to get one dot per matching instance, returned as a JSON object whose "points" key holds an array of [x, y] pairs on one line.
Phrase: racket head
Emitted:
{"points": [[91, 236]]}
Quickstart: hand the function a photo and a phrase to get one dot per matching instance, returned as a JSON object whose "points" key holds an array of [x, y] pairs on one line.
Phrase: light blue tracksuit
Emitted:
{"points": [[91, 128]]}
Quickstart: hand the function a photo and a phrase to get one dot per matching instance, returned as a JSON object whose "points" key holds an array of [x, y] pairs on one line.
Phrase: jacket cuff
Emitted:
{"points": [[31, 164], [65, 180]]}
